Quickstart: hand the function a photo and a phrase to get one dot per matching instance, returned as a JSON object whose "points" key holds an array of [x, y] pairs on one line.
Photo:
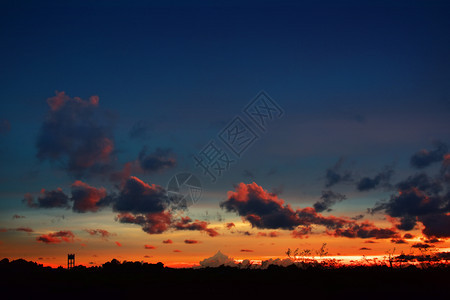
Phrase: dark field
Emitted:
{"points": [[24, 280]]}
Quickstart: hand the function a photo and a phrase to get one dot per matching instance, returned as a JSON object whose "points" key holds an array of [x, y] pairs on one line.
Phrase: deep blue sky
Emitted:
{"points": [[368, 82]]}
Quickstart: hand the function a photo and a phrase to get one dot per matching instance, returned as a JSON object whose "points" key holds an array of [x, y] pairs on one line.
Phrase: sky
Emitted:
{"points": [[279, 124]]}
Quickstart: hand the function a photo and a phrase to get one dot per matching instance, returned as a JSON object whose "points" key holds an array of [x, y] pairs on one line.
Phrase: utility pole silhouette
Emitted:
{"points": [[70, 261]]}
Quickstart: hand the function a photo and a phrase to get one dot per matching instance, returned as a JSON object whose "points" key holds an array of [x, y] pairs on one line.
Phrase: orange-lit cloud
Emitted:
{"points": [[191, 241], [56, 237], [104, 234], [187, 224], [74, 135], [86, 198]]}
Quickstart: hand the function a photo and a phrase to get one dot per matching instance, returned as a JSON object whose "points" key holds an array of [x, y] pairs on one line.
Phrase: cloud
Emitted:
{"points": [[260, 208], [302, 232], [149, 247], [269, 234], [248, 173], [433, 240], [421, 181], [187, 224], [365, 230], [5, 126], [272, 171], [420, 198], [408, 236], [84, 197], [48, 199], [177, 251], [265, 210], [424, 158], [335, 175], [191, 241], [140, 130], [364, 249], [159, 160], [169, 241], [246, 250], [143, 204], [229, 225], [122, 176], [56, 237], [24, 229], [358, 217], [147, 205], [437, 225], [16, 216], [87, 198], [399, 241], [118, 244], [381, 179], [139, 197], [217, 260], [76, 136], [328, 199], [422, 245], [152, 223], [104, 234]]}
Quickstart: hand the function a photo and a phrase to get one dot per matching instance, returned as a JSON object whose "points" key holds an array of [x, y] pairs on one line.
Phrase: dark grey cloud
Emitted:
{"points": [[328, 199], [84, 198], [248, 173], [437, 225], [399, 241], [424, 158], [137, 197], [48, 199], [422, 245], [422, 182], [77, 136], [272, 171], [381, 179], [261, 209], [159, 160], [147, 205], [140, 130], [365, 231], [420, 198], [335, 174]]}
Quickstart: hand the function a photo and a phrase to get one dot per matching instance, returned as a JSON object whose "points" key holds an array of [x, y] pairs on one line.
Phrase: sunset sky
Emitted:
{"points": [[305, 122]]}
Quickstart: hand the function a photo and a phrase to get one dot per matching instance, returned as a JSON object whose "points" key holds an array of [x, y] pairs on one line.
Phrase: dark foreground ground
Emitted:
{"points": [[27, 280]]}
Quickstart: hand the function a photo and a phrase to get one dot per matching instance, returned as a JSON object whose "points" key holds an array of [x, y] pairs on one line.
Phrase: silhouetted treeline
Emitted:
{"points": [[126, 280]]}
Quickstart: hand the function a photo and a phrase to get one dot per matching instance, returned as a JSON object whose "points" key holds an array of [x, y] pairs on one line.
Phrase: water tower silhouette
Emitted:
{"points": [[70, 261]]}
